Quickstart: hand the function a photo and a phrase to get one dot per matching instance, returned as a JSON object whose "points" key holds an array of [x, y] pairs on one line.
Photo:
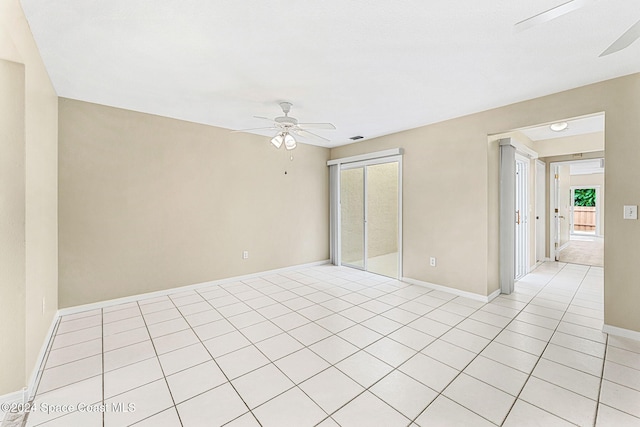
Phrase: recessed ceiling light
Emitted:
{"points": [[559, 127]]}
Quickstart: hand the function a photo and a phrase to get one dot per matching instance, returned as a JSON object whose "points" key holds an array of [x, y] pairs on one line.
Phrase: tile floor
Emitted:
{"points": [[333, 346]]}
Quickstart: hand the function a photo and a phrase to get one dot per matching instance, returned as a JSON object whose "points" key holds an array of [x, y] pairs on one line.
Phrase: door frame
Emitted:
{"points": [[506, 268], [553, 203], [523, 218], [541, 217], [389, 156]]}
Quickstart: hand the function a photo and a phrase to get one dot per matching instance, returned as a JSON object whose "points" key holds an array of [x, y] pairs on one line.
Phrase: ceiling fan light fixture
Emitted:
{"points": [[289, 142], [277, 140], [559, 127]]}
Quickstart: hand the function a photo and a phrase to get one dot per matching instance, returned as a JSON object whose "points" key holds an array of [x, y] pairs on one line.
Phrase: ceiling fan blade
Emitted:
{"points": [[328, 126], [264, 118], [625, 40], [250, 130], [551, 14], [306, 134]]}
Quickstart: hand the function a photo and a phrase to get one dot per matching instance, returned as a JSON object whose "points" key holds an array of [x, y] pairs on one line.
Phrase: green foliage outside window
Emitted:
{"points": [[585, 197]]}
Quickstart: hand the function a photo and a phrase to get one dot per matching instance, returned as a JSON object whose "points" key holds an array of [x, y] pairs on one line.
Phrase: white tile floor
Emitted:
{"points": [[333, 346]]}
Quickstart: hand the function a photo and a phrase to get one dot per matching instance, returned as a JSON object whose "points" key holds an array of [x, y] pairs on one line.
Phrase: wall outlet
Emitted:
{"points": [[245, 254], [432, 261]]}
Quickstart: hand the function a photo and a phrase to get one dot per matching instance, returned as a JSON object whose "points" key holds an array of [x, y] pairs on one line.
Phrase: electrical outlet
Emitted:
{"points": [[245, 254], [432, 261]]}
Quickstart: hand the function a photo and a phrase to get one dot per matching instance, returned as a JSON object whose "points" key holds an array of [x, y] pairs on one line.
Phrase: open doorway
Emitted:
{"points": [[550, 231], [578, 211]]}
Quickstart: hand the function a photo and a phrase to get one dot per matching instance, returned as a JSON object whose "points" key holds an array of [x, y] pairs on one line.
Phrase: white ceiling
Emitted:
{"points": [[371, 68], [578, 126]]}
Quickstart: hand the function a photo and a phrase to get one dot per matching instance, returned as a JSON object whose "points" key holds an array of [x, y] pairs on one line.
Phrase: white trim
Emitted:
{"points": [[621, 332], [561, 248], [35, 374], [400, 247], [16, 396], [27, 392], [368, 156], [364, 164], [131, 298], [520, 147], [453, 291]]}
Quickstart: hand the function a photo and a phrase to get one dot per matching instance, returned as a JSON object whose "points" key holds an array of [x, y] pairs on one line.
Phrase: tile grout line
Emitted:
{"points": [[604, 362], [317, 289], [541, 354], [163, 376], [478, 354], [217, 364]]}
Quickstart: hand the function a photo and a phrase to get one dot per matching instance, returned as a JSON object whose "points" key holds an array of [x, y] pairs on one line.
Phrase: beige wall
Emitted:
{"points": [[12, 227], [593, 180], [149, 203], [585, 143], [38, 201], [449, 170]]}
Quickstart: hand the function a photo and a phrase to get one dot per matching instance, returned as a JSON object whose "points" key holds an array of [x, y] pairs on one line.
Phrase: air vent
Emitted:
{"points": [[355, 138]]}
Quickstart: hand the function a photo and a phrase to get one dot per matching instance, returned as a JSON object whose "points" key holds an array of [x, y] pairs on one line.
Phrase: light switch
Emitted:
{"points": [[631, 212]]}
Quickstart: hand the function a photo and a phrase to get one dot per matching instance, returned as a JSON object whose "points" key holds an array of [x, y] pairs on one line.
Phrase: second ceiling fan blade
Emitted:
{"points": [[328, 126], [306, 134], [252, 129], [625, 40], [551, 14]]}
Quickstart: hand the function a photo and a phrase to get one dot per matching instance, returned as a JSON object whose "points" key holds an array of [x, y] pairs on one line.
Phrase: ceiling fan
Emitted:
{"points": [[625, 40], [286, 127]]}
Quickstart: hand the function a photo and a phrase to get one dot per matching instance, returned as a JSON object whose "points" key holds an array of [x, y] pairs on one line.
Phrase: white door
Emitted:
{"points": [[540, 211], [521, 217]]}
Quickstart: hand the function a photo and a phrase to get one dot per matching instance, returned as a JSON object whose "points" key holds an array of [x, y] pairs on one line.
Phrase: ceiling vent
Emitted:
{"points": [[355, 138]]}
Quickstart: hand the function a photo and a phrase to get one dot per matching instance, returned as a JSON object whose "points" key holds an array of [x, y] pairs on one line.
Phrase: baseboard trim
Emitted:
{"points": [[16, 396], [27, 393], [108, 303], [453, 291], [621, 332], [37, 369]]}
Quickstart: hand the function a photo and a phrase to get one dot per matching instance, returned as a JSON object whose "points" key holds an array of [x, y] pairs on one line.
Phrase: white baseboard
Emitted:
{"points": [[26, 393], [37, 369], [453, 291], [16, 396], [164, 292], [621, 332]]}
